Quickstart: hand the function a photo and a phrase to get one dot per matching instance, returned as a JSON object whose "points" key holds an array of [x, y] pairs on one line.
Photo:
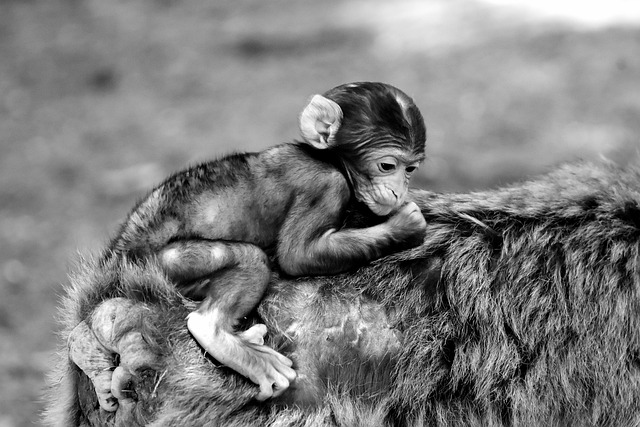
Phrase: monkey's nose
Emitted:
{"points": [[394, 193]]}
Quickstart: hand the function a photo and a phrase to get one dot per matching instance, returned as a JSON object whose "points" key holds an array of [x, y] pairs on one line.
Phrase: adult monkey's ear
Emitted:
{"points": [[320, 121]]}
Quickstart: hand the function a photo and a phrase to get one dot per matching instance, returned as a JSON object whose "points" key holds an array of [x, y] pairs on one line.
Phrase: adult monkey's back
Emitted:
{"points": [[521, 308]]}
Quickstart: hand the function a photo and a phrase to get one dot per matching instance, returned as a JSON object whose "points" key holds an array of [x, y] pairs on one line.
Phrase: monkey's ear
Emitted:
{"points": [[319, 122]]}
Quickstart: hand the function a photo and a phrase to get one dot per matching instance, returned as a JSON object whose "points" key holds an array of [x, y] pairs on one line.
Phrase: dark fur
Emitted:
{"points": [[521, 308], [376, 119]]}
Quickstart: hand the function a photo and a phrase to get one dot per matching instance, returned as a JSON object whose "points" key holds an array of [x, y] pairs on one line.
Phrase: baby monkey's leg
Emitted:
{"points": [[232, 278]]}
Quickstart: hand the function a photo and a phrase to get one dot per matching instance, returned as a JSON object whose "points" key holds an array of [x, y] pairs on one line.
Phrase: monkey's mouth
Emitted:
{"points": [[379, 202]]}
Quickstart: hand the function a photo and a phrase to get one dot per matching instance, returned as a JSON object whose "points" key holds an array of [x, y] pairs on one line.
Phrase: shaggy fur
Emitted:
{"points": [[521, 308]]}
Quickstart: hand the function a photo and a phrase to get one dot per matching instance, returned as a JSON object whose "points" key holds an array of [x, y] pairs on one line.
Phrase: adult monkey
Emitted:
{"points": [[521, 308], [209, 226]]}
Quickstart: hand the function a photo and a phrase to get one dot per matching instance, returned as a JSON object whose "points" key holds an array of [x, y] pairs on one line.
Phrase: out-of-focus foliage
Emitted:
{"points": [[99, 100]]}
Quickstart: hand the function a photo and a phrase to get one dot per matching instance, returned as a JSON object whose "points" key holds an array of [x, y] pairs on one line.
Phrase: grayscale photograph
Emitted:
{"points": [[338, 213]]}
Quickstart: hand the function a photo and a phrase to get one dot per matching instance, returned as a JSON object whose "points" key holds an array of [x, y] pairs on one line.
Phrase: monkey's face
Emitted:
{"points": [[382, 180], [378, 134]]}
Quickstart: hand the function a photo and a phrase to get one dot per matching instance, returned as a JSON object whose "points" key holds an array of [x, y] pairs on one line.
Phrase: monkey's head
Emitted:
{"points": [[376, 131]]}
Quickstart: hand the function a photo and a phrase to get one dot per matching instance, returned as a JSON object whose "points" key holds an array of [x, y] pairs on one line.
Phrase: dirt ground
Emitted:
{"points": [[100, 100]]}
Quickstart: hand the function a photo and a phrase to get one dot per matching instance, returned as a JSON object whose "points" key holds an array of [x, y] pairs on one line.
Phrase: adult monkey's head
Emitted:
{"points": [[377, 133]]}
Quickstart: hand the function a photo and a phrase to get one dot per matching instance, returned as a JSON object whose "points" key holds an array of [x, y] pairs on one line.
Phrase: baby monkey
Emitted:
{"points": [[209, 226]]}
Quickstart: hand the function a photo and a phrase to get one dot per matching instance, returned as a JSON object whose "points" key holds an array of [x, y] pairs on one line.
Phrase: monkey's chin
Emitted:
{"points": [[381, 210]]}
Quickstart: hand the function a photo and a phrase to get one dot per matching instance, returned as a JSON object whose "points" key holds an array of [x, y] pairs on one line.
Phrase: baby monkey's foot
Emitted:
{"points": [[255, 334], [245, 353]]}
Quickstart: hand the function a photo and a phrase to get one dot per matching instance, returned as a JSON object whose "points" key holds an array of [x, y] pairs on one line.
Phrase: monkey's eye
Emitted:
{"points": [[411, 169], [387, 167]]}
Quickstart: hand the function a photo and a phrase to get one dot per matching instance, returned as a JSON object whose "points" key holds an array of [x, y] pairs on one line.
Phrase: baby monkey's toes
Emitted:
{"points": [[255, 334], [273, 371]]}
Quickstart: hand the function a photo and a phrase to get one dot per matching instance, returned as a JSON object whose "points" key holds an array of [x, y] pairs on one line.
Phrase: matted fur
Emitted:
{"points": [[522, 308]]}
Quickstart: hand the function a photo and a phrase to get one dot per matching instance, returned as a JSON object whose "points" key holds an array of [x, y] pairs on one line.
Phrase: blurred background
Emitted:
{"points": [[99, 100]]}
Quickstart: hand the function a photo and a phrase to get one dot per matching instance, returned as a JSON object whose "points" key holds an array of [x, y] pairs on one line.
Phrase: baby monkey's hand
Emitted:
{"points": [[408, 223]]}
